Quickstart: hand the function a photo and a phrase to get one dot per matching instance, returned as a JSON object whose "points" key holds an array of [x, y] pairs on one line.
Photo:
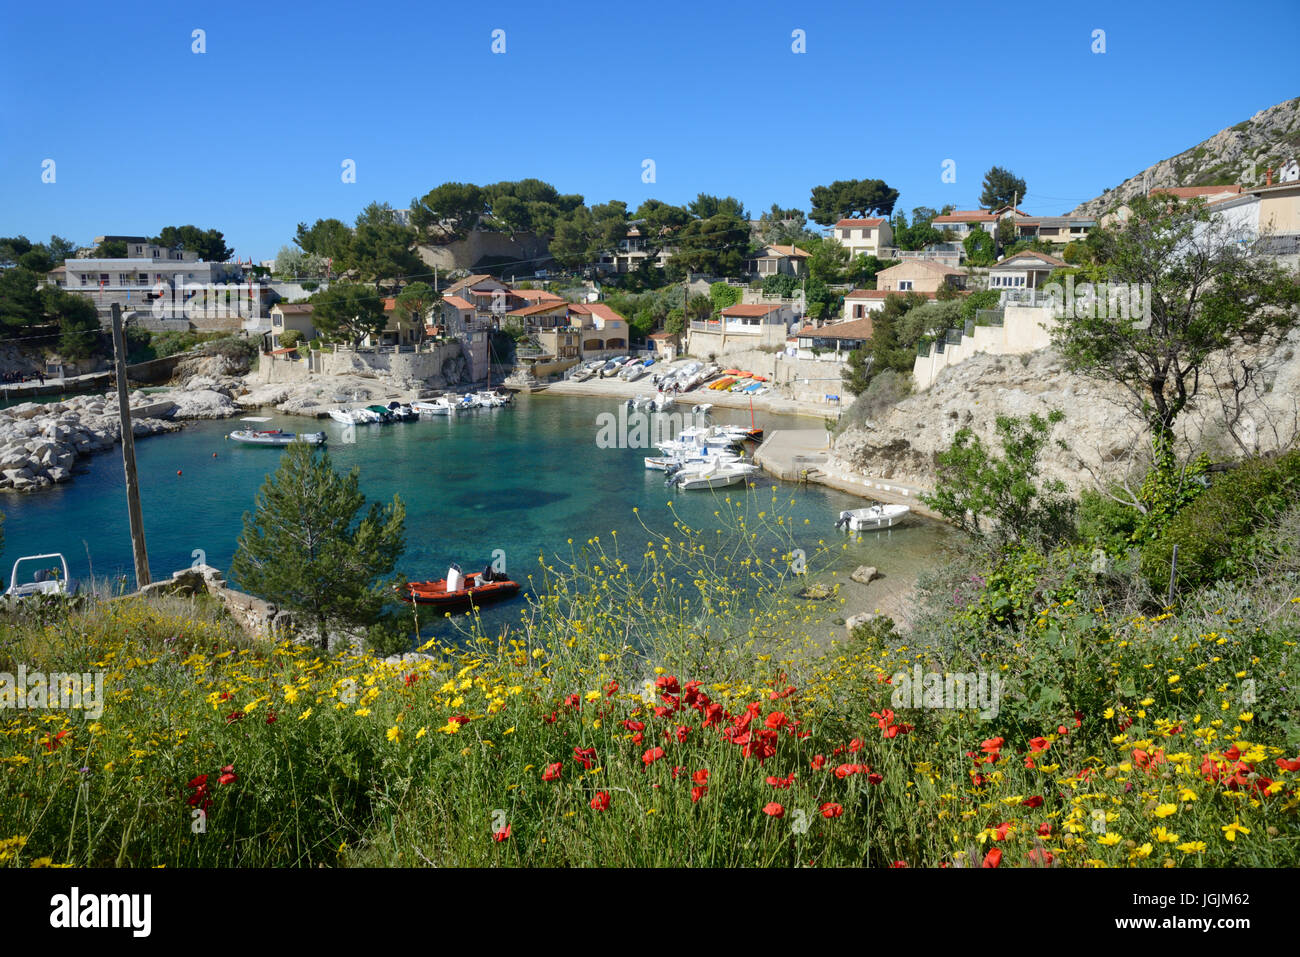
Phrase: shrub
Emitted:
{"points": [[1215, 535]]}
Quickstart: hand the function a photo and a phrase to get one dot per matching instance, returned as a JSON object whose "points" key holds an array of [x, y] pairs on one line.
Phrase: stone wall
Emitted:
{"points": [[259, 618], [1024, 329]]}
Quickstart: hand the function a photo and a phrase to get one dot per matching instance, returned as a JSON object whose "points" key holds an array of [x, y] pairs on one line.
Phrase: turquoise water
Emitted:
{"points": [[522, 479]]}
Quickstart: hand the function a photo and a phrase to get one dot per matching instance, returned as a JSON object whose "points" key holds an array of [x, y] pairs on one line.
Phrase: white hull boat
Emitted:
{"points": [[712, 476], [439, 406], [48, 580], [351, 416], [277, 438], [873, 518]]}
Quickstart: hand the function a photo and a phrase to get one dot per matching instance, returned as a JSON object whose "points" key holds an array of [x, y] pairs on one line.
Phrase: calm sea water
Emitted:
{"points": [[524, 479]]}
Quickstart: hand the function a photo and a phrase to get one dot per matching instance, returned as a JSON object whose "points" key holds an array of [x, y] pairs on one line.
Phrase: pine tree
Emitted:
{"points": [[305, 549]]}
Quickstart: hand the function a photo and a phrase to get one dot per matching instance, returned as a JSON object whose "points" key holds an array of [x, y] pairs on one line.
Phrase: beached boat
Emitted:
{"points": [[48, 579], [276, 438], [872, 518], [458, 589]]}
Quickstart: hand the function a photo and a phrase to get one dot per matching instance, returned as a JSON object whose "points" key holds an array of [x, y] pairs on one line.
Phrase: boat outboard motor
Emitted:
{"points": [[455, 580], [843, 520]]}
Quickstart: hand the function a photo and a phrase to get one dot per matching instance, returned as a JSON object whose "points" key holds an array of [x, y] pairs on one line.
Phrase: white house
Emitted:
{"points": [[863, 237]]}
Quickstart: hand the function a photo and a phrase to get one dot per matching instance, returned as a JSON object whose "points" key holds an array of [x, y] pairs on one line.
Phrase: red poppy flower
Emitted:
{"points": [[776, 719], [228, 778], [781, 783], [1000, 832], [199, 781], [584, 756], [683, 732], [1288, 764], [574, 702], [552, 772], [701, 776], [1038, 745], [844, 770], [1034, 801], [1044, 830], [224, 696], [611, 689], [698, 792], [992, 745], [638, 738], [818, 762], [855, 746], [874, 778], [651, 756], [631, 725], [831, 809], [234, 716], [411, 679], [228, 767], [993, 858], [677, 769], [772, 809], [551, 718], [668, 683], [459, 719], [501, 835], [600, 802], [1041, 857], [899, 864], [271, 717]]}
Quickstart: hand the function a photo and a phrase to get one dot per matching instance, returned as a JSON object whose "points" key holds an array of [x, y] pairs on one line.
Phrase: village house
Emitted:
{"points": [[632, 251], [1025, 270], [404, 328], [457, 315], [543, 315], [778, 261], [920, 275], [833, 342], [1055, 229], [665, 344], [603, 329], [740, 327], [964, 221], [863, 302], [863, 237], [489, 296], [291, 316]]}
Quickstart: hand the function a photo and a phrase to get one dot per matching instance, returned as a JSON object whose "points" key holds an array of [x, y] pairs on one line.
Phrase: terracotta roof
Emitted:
{"points": [[537, 295], [1049, 260], [966, 216], [390, 304], [787, 251], [1187, 192], [859, 222], [295, 308], [456, 302], [928, 264], [882, 293], [285, 351], [750, 310], [597, 309], [460, 284], [853, 329], [537, 308]]}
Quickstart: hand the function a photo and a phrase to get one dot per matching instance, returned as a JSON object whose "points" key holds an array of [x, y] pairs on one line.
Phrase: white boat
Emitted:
{"points": [[443, 405], [712, 476], [665, 463], [872, 518], [642, 403], [46, 580], [492, 400], [351, 416], [276, 437]]}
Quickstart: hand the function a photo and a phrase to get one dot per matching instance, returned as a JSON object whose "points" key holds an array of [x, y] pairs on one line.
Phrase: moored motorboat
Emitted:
{"points": [[872, 518], [350, 416], [276, 437], [458, 589], [711, 476], [46, 580]]}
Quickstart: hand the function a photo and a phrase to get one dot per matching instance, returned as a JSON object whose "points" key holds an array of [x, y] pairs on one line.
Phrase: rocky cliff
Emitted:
{"points": [[1102, 436], [1239, 154]]}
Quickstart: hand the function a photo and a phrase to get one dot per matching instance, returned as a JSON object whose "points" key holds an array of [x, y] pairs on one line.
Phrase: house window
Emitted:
{"points": [[904, 285], [844, 233]]}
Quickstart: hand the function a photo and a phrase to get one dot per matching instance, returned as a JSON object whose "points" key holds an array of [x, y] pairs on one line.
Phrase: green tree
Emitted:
{"points": [[699, 307], [715, 246], [20, 302], [675, 321], [1001, 499], [852, 198], [724, 294], [418, 298], [1001, 188], [705, 206], [307, 547], [348, 312], [78, 319], [828, 260], [1202, 292], [857, 371], [328, 238], [210, 244], [111, 249], [381, 248], [980, 248]]}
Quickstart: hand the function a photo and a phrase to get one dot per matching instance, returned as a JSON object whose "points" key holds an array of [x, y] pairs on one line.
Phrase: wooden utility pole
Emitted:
{"points": [[128, 454]]}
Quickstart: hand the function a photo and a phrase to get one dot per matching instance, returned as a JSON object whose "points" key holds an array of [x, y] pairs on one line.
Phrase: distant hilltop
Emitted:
{"points": [[1240, 154]]}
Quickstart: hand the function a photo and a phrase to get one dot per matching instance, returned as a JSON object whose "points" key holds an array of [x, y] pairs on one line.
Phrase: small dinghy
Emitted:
{"points": [[458, 589], [875, 517], [276, 437]]}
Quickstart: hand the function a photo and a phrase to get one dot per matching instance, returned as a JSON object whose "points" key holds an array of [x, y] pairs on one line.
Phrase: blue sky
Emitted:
{"points": [[249, 137]]}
